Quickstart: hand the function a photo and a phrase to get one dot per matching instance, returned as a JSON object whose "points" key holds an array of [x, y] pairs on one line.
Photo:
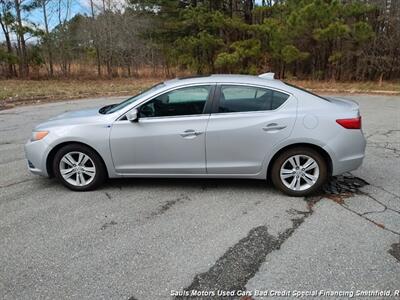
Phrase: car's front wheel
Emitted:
{"points": [[78, 167], [299, 171]]}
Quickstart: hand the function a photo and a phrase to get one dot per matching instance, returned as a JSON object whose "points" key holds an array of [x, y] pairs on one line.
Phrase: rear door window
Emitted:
{"points": [[237, 98]]}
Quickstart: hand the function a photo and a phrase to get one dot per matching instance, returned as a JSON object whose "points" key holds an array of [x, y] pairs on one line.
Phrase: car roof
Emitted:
{"points": [[228, 78]]}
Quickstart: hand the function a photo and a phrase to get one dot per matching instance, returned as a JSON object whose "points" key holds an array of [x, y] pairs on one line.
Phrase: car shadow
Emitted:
{"points": [[187, 183]]}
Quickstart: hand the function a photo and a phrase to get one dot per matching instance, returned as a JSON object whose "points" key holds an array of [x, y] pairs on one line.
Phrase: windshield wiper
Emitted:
{"points": [[106, 108]]}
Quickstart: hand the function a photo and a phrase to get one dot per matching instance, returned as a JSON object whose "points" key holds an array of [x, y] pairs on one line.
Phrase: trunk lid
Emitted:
{"points": [[345, 103]]}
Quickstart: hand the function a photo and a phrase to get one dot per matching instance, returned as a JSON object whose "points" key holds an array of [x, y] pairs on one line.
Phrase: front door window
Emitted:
{"points": [[183, 101]]}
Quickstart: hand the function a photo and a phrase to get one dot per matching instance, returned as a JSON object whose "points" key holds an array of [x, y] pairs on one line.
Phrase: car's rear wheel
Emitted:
{"points": [[78, 167], [299, 171]]}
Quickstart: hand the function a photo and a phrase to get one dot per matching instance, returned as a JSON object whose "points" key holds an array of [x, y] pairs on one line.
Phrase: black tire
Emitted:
{"points": [[100, 174], [280, 160]]}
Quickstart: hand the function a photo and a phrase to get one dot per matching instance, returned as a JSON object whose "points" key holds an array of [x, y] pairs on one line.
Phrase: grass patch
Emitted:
{"points": [[16, 92], [388, 87]]}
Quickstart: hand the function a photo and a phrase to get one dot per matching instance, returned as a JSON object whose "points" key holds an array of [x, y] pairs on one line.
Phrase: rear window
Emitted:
{"points": [[308, 92]]}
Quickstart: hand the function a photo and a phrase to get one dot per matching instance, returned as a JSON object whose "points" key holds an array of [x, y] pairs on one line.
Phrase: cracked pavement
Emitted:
{"points": [[143, 238]]}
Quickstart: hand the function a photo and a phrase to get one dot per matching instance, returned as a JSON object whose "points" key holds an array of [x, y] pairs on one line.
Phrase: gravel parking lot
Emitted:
{"points": [[156, 238]]}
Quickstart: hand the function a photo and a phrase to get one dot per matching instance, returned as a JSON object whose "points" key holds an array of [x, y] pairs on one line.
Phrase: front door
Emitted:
{"points": [[169, 137]]}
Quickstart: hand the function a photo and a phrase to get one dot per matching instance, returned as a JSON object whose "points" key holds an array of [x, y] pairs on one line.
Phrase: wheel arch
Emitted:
{"points": [[54, 150], [317, 148]]}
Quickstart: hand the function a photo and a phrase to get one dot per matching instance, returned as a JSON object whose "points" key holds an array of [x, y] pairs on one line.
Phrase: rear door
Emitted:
{"points": [[245, 123]]}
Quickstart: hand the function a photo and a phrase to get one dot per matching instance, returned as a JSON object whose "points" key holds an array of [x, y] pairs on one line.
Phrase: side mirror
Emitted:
{"points": [[132, 115]]}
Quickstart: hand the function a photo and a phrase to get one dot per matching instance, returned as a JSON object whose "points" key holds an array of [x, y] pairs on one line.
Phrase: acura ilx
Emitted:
{"points": [[217, 126]]}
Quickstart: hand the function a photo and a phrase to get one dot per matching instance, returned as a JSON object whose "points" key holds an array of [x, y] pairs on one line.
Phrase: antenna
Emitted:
{"points": [[267, 76]]}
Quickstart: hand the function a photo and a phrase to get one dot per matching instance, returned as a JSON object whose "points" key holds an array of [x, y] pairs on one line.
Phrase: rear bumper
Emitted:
{"points": [[347, 151], [347, 165]]}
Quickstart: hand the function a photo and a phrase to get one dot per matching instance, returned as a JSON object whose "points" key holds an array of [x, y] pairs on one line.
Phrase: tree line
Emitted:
{"points": [[306, 39]]}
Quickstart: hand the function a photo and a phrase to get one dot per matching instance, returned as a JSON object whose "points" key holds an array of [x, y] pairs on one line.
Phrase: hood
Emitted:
{"points": [[73, 118], [77, 114]]}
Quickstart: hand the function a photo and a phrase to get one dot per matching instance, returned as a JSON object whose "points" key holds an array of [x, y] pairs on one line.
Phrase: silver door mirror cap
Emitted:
{"points": [[132, 115]]}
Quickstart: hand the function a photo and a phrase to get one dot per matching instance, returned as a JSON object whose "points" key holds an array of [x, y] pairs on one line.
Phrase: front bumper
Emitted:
{"points": [[36, 153]]}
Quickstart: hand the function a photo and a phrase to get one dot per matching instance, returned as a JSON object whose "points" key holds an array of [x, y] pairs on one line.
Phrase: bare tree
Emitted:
{"points": [[48, 41], [95, 39], [20, 31], [5, 20], [63, 5]]}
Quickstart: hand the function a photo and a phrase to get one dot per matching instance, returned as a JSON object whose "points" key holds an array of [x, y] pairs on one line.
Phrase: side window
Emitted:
{"points": [[235, 98], [184, 101], [278, 99]]}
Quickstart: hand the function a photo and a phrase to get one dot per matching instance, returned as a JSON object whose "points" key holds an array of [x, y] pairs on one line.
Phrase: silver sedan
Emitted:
{"points": [[218, 126]]}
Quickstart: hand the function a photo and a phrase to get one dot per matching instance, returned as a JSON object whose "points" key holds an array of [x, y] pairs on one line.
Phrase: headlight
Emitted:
{"points": [[38, 135]]}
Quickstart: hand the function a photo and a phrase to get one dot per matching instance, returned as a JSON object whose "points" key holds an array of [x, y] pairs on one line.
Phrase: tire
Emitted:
{"points": [[299, 180], [87, 175]]}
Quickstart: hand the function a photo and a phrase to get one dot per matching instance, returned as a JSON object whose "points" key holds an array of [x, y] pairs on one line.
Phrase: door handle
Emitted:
{"points": [[274, 127], [190, 133]]}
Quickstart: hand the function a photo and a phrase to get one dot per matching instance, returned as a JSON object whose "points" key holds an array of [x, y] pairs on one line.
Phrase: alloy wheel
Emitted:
{"points": [[299, 172], [77, 168]]}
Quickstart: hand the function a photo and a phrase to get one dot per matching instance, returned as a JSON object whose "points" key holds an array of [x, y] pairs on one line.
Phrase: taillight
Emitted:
{"points": [[354, 123]]}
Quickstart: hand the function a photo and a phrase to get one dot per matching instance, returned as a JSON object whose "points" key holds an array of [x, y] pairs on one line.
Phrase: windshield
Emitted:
{"points": [[115, 107]]}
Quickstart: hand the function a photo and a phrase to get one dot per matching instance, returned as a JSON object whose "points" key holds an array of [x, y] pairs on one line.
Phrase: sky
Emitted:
{"points": [[77, 7], [36, 16]]}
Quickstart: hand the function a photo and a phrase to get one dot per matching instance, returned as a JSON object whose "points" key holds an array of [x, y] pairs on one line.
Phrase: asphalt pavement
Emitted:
{"points": [[160, 238]]}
